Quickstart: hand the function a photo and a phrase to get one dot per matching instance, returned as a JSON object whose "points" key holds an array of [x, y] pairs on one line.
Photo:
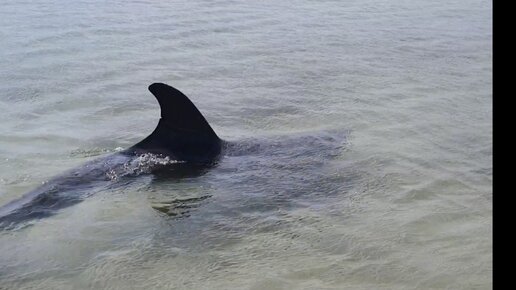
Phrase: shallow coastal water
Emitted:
{"points": [[361, 137]]}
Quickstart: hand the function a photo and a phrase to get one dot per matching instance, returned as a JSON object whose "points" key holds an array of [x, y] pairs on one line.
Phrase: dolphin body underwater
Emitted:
{"points": [[183, 142]]}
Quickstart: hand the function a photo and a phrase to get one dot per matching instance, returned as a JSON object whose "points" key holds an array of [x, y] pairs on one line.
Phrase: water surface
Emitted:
{"points": [[362, 135]]}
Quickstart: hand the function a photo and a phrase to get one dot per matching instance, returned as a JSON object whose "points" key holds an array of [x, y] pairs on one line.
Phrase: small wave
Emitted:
{"points": [[94, 151], [90, 152], [142, 164]]}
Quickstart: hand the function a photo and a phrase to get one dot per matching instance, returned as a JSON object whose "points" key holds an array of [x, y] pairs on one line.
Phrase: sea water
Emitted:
{"points": [[361, 135]]}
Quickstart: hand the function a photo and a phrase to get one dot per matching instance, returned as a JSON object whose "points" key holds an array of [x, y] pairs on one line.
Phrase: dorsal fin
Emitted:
{"points": [[182, 130], [178, 111]]}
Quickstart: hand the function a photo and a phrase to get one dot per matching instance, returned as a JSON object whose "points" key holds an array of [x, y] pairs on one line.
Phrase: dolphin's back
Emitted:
{"points": [[182, 135]]}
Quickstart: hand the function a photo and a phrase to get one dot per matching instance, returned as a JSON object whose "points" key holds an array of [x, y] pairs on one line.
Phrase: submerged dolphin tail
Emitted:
{"points": [[182, 131]]}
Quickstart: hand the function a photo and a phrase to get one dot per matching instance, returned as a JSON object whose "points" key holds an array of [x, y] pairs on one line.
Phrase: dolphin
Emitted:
{"points": [[183, 143]]}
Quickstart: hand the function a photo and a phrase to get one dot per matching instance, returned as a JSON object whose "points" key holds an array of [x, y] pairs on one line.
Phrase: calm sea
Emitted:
{"points": [[361, 131]]}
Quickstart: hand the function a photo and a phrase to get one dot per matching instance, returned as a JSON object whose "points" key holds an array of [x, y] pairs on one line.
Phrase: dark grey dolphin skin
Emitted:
{"points": [[182, 134]]}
